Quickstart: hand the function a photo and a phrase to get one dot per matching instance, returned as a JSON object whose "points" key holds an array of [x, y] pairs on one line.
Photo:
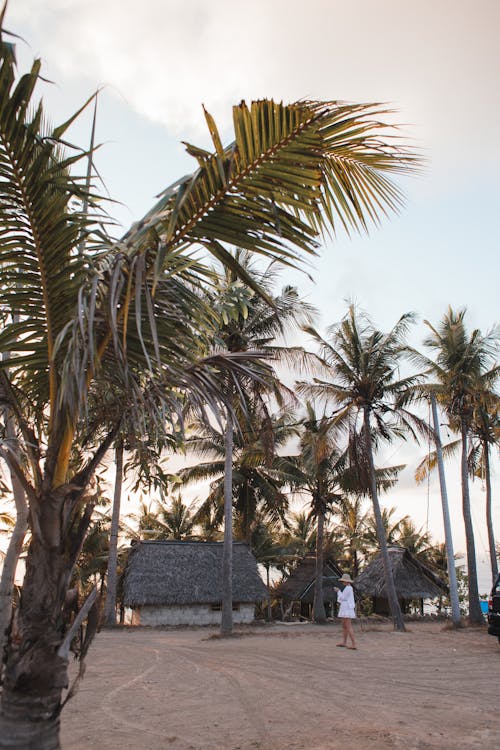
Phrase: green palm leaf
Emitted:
{"points": [[291, 172], [41, 227]]}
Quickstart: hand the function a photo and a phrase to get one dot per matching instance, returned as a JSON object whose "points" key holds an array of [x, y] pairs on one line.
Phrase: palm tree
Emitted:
{"points": [[146, 521], [256, 474], [485, 433], [208, 524], [462, 362], [417, 541], [258, 478], [164, 520], [351, 520], [363, 365], [90, 569], [299, 534], [433, 459], [318, 470], [267, 549], [393, 529], [246, 480], [135, 309], [175, 519], [250, 322]]}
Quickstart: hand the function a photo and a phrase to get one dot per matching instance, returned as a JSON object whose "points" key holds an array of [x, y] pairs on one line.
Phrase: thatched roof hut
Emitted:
{"points": [[299, 586], [177, 583], [412, 580]]}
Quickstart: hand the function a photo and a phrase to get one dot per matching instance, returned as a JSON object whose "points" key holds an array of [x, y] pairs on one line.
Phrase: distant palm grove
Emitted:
{"points": [[165, 354]]}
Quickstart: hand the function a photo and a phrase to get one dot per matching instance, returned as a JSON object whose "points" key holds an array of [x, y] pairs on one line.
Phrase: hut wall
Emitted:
{"points": [[381, 606], [192, 614]]}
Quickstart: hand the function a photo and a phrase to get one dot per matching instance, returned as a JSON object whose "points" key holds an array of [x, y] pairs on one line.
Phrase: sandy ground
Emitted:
{"points": [[278, 687]]}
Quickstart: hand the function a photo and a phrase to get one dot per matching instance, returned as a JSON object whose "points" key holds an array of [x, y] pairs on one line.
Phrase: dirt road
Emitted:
{"points": [[280, 687]]}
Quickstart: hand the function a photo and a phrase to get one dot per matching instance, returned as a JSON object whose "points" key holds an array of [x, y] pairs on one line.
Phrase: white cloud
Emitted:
{"points": [[436, 62]]}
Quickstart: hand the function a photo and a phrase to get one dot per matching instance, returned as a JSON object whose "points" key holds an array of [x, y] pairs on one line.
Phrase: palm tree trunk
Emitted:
{"points": [[394, 607], [247, 525], [475, 614], [489, 518], [35, 674], [319, 613], [227, 554], [14, 549], [27, 734], [268, 585], [450, 556], [110, 606], [354, 562]]}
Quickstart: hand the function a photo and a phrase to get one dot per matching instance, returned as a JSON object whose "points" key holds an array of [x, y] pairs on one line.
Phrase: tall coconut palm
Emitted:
{"points": [[362, 369], [245, 478], [462, 361], [318, 470], [250, 322], [485, 434], [136, 310]]}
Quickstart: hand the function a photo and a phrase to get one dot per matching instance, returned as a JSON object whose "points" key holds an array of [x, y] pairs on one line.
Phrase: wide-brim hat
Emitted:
{"points": [[346, 578]]}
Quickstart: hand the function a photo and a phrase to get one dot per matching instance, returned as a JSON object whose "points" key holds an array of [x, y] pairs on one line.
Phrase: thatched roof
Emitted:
{"points": [[181, 573], [299, 586], [412, 579]]}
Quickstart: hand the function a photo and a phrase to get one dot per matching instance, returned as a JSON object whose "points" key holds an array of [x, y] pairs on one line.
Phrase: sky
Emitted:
{"points": [[435, 62]]}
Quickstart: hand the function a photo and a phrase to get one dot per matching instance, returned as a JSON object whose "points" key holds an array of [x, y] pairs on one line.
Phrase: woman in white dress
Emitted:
{"points": [[347, 611]]}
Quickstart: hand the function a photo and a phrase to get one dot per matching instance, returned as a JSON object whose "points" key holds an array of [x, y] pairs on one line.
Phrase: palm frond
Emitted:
{"points": [[292, 171], [41, 229]]}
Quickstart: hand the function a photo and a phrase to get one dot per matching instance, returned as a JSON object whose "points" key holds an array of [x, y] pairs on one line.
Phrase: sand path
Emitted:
{"points": [[288, 687]]}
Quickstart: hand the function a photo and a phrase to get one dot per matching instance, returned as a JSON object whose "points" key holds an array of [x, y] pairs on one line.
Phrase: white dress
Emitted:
{"points": [[347, 605]]}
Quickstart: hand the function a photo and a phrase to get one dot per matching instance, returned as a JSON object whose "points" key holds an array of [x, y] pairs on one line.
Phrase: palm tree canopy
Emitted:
{"points": [[363, 367], [291, 171], [258, 476], [319, 467], [171, 519], [464, 366], [83, 302]]}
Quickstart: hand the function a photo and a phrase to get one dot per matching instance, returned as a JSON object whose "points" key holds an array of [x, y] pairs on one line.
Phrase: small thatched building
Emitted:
{"points": [[180, 583], [299, 586], [412, 579]]}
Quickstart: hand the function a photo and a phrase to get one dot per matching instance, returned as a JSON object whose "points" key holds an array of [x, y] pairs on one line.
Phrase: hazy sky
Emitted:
{"points": [[436, 62]]}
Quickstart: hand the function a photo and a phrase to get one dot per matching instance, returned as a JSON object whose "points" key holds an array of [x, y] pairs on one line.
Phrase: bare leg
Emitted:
{"points": [[344, 633], [349, 632]]}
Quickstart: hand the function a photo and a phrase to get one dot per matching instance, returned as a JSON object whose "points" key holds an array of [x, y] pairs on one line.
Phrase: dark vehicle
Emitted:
{"points": [[494, 610]]}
